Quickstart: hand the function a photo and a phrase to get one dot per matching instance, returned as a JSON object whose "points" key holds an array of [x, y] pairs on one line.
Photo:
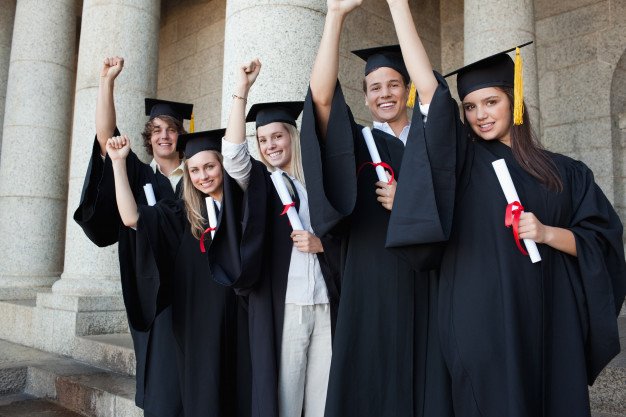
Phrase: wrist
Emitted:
{"points": [[548, 235]]}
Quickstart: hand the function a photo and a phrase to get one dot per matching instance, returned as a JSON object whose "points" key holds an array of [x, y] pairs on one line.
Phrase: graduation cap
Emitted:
{"points": [[389, 56], [208, 140], [497, 70], [279, 111], [156, 108]]}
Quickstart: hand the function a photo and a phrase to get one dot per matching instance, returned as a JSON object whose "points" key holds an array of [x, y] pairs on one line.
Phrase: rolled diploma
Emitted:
{"points": [[210, 209], [149, 192], [371, 147], [285, 198], [506, 182]]}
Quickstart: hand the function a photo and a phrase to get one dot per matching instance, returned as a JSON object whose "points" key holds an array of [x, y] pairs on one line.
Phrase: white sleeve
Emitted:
{"points": [[237, 162], [424, 110]]}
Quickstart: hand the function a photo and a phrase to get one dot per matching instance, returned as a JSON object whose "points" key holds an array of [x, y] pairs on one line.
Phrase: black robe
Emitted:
{"points": [[213, 360], [157, 387], [251, 253], [523, 339], [386, 356]]}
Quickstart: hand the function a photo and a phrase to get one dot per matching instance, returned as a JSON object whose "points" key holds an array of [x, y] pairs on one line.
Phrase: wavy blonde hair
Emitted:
{"points": [[194, 200], [296, 154]]}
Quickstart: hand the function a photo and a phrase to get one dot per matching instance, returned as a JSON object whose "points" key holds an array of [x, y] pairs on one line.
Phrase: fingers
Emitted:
{"points": [[118, 142], [252, 66]]}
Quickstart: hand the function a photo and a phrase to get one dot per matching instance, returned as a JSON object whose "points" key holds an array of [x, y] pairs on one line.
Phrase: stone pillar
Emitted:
{"points": [[286, 43], [33, 169], [109, 28], [7, 14], [495, 25]]}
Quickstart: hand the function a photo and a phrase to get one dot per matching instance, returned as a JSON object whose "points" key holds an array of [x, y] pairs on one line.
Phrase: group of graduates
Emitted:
{"points": [[441, 313]]}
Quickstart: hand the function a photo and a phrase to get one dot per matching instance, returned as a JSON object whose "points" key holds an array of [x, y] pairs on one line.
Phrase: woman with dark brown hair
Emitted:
{"points": [[521, 338]]}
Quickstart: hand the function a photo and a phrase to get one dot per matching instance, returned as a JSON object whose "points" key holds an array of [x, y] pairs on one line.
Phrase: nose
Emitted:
{"points": [[480, 113], [385, 91]]}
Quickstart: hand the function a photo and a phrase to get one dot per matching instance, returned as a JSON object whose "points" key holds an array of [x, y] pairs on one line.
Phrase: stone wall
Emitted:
{"points": [[191, 55], [579, 44]]}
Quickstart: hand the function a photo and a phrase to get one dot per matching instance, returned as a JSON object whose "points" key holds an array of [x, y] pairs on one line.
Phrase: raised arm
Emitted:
{"points": [[105, 106], [118, 149], [326, 66], [246, 75], [413, 52]]}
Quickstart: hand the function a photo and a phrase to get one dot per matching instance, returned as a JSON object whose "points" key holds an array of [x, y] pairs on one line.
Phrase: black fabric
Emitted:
{"points": [[523, 339], [251, 253], [386, 357], [157, 387], [205, 315]]}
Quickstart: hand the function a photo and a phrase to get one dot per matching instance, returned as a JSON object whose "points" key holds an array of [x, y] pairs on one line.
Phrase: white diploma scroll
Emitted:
{"points": [[149, 192], [371, 147], [506, 182], [210, 209], [285, 198]]}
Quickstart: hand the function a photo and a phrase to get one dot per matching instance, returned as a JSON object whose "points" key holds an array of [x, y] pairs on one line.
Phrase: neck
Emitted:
{"points": [[167, 165], [398, 125], [217, 195]]}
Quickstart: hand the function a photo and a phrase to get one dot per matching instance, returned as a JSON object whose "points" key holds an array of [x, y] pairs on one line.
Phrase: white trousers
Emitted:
{"points": [[304, 361]]}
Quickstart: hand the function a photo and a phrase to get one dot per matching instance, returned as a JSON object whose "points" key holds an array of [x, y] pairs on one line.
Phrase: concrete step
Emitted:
{"points": [[78, 387], [111, 351], [608, 393], [20, 405]]}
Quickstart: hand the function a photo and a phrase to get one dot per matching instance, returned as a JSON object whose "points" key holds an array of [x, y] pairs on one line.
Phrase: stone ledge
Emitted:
{"points": [[111, 351]]}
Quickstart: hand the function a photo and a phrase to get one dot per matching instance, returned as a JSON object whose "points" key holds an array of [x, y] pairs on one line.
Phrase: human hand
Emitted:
{"points": [[247, 74], [531, 228], [111, 67], [386, 192], [306, 242], [118, 147]]}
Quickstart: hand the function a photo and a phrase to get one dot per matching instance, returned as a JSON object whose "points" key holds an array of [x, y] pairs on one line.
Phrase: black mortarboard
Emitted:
{"points": [[192, 143], [383, 56], [497, 70], [156, 108], [279, 111]]}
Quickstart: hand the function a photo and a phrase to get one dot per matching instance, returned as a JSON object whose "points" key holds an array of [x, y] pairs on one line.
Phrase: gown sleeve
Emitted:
{"points": [[600, 256], [236, 253], [97, 212], [159, 232], [329, 165]]}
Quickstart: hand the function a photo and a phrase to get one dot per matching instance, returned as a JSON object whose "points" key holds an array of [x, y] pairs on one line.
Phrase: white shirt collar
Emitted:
{"points": [[387, 129], [177, 171]]}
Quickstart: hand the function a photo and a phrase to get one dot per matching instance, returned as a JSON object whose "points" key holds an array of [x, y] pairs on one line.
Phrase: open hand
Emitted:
{"points": [[306, 242], [118, 147], [386, 192]]}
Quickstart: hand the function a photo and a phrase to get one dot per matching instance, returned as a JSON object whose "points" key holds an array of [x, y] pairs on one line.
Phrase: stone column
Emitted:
{"points": [[33, 169], [7, 14], [285, 40], [495, 25], [109, 28]]}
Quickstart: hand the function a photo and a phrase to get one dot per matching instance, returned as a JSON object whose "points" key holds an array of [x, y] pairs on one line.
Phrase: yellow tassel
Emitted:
{"points": [[192, 125], [518, 91], [410, 102]]}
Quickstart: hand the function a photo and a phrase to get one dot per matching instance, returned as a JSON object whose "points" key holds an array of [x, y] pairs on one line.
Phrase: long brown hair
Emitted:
{"points": [[194, 201], [529, 152]]}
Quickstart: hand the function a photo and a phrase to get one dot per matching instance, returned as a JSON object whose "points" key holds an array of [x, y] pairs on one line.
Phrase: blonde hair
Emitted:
{"points": [[194, 200], [296, 154]]}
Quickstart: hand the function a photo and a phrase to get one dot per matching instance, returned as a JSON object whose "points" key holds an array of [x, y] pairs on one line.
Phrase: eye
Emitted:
{"points": [[491, 102], [193, 170], [468, 107], [262, 140]]}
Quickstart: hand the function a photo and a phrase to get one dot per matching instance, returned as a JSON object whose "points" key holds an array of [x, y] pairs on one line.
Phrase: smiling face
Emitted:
{"points": [[386, 95], [163, 139], [275, 145], [488, 112], [205, 172]]}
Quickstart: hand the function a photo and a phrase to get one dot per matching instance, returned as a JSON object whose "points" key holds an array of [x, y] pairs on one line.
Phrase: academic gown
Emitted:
{"points": [[157, 387], [251, 253], [213, 361], [386, 356], [523, 339]]}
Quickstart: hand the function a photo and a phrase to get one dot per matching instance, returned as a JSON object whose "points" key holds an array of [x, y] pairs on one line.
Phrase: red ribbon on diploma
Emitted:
{"points": [[511, 218], [286, 208], [207, 230], [378, 164]]}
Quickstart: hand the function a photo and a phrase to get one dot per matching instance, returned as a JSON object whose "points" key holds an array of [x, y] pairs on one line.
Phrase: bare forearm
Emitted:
{"points": [[561, 239], [413, 51], [105, 112], [125, 200], [236, 128]]}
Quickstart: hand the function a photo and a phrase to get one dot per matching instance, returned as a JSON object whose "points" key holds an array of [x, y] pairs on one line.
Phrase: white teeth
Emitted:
{"points": [[274, 154], [386, 105]]}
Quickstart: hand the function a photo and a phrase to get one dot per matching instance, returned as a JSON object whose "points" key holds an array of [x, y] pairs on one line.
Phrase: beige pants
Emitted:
{"points": [[305, 361]]}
